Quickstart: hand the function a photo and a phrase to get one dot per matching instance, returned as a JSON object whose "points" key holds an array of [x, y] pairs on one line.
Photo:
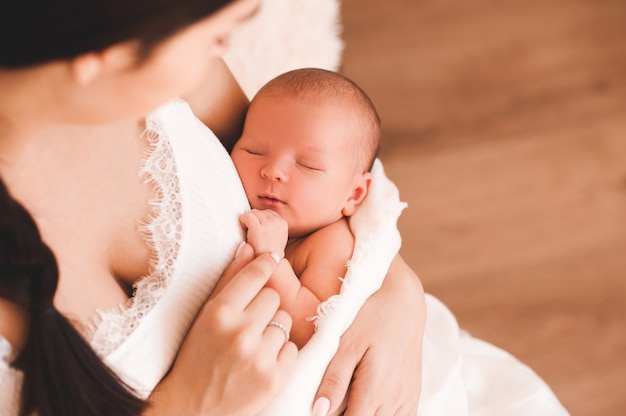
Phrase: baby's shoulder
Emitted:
{"points": [[324, 252], [335, 238]]}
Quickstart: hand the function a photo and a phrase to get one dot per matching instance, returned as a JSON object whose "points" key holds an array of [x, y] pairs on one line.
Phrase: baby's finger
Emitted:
{"points": [[249, 219]]}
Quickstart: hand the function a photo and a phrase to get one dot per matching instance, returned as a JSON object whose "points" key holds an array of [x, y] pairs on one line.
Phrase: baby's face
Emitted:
{"points": [[299, 160]]}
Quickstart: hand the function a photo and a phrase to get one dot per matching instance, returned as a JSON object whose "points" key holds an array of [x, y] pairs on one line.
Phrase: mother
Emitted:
{"points": [[77, 83]]}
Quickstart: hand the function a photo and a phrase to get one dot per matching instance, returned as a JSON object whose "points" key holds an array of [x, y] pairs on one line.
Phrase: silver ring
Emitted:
{"points": [[281, 327]]}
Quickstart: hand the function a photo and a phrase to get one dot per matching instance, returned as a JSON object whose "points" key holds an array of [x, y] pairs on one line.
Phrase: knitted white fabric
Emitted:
{"points": [[194, 233]]}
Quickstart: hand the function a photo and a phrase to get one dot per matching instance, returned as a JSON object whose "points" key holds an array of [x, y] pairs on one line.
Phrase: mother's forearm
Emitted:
{"points": [[402, 279]]}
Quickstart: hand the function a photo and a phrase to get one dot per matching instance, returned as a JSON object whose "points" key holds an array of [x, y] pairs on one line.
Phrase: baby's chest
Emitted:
{"points": [[297, 254]]}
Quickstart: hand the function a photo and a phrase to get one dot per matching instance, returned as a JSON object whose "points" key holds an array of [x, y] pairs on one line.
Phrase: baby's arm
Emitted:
{"points": [[267, 231], [320, 262]]}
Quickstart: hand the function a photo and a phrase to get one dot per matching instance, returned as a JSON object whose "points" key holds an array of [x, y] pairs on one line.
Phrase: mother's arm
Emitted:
{"points": [[380, 355]]}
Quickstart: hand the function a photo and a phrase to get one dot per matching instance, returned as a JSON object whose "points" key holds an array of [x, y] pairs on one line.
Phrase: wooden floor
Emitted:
{"points": [[505, 130]]}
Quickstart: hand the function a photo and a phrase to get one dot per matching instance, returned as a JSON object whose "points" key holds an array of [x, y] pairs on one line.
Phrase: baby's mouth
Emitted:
{"points": [[270, 199]]}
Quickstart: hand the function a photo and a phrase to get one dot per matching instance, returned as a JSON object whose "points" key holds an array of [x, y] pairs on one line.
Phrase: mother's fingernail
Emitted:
{"points": [[277, 257], [321, 407], [243, 243]]}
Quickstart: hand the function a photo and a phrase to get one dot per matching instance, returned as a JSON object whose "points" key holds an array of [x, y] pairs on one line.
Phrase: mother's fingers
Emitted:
{"points": [[243, 256], [279, 327], [245, 285], [287, 356], [276, 345], [262, 308]]}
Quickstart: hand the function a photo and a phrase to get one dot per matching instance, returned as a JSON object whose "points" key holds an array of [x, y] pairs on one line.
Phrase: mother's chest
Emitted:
{"points": [[88, 201]]}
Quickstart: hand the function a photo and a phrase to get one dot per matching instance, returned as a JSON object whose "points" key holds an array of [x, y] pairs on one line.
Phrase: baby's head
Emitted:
{"points": [[309, 141], [313, 88]]}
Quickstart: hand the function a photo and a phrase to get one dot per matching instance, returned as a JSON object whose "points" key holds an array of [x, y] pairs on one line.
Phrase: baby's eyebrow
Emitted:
{"points": [[315, 150]]}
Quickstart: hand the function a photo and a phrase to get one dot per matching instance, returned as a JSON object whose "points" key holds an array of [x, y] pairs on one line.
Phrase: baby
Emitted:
{"points": [[309, 140]]}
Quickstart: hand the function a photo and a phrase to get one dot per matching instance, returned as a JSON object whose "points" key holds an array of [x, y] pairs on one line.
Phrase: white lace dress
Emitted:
{"points": [[194, 235]]}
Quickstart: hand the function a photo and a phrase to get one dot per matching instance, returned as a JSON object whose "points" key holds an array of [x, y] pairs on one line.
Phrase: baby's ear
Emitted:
{"points": [[359, 192]]}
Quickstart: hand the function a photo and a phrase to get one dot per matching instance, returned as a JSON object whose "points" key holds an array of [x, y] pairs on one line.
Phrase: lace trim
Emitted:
{"points": [[326, 307], [162, 231]]}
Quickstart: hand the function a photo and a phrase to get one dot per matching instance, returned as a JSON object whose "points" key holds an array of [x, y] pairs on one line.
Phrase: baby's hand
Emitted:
{"points": [[267, 231]]}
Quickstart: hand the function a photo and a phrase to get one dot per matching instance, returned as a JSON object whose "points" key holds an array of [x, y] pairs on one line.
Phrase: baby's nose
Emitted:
{"points": [[275, 171]]}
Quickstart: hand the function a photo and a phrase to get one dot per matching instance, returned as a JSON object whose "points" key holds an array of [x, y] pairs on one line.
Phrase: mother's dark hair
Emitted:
{"points": [[38, 31], [62, 374]]}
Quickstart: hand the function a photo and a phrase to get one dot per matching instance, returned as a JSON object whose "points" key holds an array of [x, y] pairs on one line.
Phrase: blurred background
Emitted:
{"points": [[504, 127]]}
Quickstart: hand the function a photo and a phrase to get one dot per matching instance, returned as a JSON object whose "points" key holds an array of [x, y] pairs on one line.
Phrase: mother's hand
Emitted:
{"points": [[379, 356], [231, 362]]}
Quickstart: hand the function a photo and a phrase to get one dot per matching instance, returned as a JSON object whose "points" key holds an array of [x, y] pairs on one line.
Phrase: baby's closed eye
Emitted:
{"points": [[310, 165], [251, 151]]}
